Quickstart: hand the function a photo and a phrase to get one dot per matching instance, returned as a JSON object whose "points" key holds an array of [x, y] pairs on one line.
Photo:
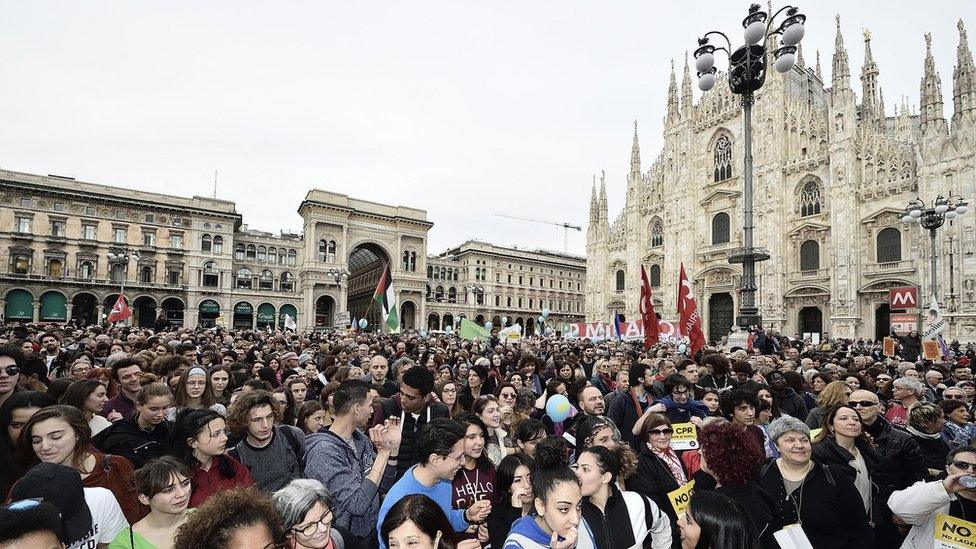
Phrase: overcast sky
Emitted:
{"points": [[465, 109]]}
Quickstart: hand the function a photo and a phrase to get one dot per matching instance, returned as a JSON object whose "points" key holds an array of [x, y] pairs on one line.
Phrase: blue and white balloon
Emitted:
{"points": [[545, 312], [558, 408], [488, 325], [363, 323]]}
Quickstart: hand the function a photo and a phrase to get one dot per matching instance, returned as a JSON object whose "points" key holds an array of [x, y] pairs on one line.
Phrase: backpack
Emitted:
{"points": [[296, 446]]}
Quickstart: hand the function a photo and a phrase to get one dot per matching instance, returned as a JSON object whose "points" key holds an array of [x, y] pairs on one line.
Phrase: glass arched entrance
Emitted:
{"points": [[324, 311], [144, 312], [366, 264], [173, 310], [209, 310], [266, 315], [84, 309], [287, 309], [243, 316], [53, 307]]}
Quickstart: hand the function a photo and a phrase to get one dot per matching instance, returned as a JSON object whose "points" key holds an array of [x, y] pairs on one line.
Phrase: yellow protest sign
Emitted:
{"points": [[814, 433], [685, 436], [681, 498], [953, 533]]}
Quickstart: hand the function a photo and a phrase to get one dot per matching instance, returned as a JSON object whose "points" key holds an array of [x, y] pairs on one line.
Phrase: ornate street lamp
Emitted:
{"points": [[122, 256], [747, 74], [337, 275], [931, 218]]}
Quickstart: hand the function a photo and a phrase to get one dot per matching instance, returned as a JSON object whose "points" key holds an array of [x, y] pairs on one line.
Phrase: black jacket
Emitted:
{"points": [[500, 522], [791, 404], [758, 504], [390, 407], [828, 452], [653, 479], [829, 506], [934, 452], [903, 457], [613, 527], [623, 413], [125, 438]]}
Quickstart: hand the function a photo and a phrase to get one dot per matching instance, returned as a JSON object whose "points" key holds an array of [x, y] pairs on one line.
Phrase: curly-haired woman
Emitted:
{"points": [[243, 517]]}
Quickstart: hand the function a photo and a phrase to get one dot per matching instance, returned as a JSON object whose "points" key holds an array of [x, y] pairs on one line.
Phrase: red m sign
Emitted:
{"points": [[903, 298]]}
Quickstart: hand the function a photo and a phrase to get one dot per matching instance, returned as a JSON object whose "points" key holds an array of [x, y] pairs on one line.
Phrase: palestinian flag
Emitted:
{"points": [[386, 300]]}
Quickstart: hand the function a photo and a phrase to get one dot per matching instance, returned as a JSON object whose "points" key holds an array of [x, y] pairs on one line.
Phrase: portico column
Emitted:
{"points": [[37, 312], [68, 307]]}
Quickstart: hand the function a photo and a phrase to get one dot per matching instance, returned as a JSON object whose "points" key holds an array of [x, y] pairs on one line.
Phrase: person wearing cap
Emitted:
{"points": [[821, 498], [31, 523], [89, 516], [288, 361], [919, 504]]}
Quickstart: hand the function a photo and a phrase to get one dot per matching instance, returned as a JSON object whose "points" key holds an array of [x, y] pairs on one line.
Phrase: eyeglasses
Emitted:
{"points": [[964, 465], [508, 396], [310, 529], [953, 397], [861, 403], [665, 431], [11, 370]]}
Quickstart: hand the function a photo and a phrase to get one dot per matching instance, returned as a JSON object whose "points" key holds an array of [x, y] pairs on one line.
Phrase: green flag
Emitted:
{"points": [[470, 330]]}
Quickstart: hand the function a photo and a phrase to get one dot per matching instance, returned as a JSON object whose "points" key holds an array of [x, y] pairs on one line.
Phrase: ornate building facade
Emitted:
{"points": [[484, 282], [69, 247], [833, 174]]}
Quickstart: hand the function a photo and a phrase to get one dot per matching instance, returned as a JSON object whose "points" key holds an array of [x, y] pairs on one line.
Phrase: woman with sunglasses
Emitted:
{"points": [[305, 506], [659, 468], [507, 395]]}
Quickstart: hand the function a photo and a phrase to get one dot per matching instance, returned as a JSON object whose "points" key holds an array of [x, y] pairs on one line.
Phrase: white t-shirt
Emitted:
{"points": [[98, 424], [107, 519]]}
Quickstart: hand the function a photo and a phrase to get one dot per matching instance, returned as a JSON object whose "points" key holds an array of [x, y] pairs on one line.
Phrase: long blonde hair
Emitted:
{"points": [[836, 392]]}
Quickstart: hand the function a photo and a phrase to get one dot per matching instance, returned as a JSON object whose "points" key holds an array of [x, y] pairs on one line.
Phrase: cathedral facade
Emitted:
{"points": [[833, 174]]}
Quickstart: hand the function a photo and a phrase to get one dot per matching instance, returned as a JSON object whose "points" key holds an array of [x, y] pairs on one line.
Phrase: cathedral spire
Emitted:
{"points": [[963, 79], [603, 196], [841, 73], [930, 102], [799, 57], [686, 97], [635, 166], [594, 203], [817, 69], [672, 97], [869, 80]]}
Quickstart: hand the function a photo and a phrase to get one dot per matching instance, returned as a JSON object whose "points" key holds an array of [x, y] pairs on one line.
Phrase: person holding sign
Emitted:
{"points": [[949, 502], [819, 498], [659, 469], [618, 519]]}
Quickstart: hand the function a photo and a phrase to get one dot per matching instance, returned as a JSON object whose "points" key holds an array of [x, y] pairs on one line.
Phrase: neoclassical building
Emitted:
{"points": [[833, 174], [485, 282], [70, 247]]}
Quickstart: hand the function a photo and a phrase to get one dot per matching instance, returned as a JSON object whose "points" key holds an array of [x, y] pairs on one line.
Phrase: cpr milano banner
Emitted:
{"points": [[632, 330]]}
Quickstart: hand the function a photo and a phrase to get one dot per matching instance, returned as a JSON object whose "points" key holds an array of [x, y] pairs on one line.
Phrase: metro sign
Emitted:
{"points": [[905, 297]]}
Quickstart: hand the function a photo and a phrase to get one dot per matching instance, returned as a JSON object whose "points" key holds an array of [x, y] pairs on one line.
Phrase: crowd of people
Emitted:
{"points": [[120, 437]]}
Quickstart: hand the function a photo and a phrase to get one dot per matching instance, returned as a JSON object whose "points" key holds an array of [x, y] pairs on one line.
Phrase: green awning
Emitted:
{"points": [[53, 306], [20, 305], [266, 313], [287, 309], [243, 308], [209, 306]]}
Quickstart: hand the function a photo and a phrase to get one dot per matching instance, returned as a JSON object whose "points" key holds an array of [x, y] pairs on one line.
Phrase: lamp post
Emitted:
{"points": [[121, 256], [337, 275], [747, 74], [475, 289], [932, 217]]}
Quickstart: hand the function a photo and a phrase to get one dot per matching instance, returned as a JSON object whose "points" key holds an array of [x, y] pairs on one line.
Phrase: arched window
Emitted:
{"points": [[211, 276], [266, 280], [810, 255], [206, 243], [116, 272], [620, 280], [723, 158], [720, 228], [262, 253], [323, 250], [439, 293], [655, 276], [430, 271], [272, 255], [54, 269], [20, 264], [218, 245], [331, 255], [657, 233], [252, 252], [889, 245], [244, 278], [452, 295], [428, 291], [287, 283], [292, 257], [811, 198], [413, 262], [239, 252], [86, 271], [146, 275]]}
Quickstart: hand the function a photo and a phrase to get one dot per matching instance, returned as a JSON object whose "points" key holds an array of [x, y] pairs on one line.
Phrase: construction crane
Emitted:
{"points": [[566, 227]]}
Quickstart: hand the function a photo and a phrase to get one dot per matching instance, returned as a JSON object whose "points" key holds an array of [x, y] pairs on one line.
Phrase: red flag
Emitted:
{"points": [[689, 319], [120, 311], [651, 330]]}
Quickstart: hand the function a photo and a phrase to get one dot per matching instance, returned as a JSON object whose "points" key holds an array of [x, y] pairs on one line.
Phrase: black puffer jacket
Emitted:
{"points": [[125, 438], [828, 452], [903, 458]]}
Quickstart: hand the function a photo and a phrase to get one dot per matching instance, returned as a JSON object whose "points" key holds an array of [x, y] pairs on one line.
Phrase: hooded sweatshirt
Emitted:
{"points": [[343, 469]]}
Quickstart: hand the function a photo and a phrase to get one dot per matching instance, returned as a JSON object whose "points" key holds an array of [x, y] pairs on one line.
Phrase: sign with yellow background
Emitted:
{"points": [[952, 533], [681, 498]]}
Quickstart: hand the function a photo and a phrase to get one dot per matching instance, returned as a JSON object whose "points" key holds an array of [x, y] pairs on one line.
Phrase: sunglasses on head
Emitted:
{"points": [[12, 370]]}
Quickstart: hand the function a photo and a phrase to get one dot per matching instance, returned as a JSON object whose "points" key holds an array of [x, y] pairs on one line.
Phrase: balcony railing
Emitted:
{"points": [[891, 267], [810, 274], [92, 281]]}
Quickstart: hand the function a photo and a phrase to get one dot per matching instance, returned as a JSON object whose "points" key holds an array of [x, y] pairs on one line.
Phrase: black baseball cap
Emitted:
{"points": [[62, 487]]}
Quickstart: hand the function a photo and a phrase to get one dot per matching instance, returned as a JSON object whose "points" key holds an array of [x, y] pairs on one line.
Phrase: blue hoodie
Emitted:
{"points": [[442, 493], [526, 534]]}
